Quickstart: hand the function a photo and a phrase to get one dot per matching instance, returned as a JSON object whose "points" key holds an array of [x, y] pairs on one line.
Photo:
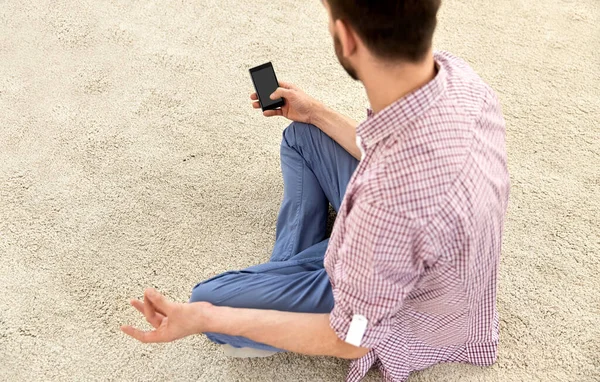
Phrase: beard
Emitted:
{"points": [[345, 64]]}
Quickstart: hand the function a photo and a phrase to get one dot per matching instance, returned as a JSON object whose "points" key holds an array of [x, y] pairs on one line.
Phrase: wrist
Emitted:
{"points": [[220, 319], [203, 316], [316, 114]]}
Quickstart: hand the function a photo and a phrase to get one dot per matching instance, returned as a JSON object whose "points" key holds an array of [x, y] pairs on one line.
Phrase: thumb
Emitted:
{"points": [[281, 93], [159, 301]]}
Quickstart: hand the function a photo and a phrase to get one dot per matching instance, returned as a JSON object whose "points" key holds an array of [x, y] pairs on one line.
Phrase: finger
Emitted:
{"points": [[254, 96], [287, 85], [143, 336], [149, 310], [256, 105], [272, 113], [138, 305], [158, 301], [155, 320], [281, 93]]}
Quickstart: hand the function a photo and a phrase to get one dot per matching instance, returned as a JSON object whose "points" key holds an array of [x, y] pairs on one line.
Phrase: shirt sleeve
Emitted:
{"points": [[378, 263]]}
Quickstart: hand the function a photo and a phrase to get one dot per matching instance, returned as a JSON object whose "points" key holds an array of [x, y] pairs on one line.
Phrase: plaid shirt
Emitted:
{"points": [[417, 240]]}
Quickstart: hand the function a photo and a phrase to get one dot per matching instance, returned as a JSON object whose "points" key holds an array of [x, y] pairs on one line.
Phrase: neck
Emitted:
{"points": [[387, 83]]}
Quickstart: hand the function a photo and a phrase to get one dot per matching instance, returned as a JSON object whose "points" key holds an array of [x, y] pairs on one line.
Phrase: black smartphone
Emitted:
{"points": [[265, 83]]}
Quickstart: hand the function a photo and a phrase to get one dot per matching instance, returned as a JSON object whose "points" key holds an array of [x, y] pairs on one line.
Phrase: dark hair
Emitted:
{"points": [[391, 29]]}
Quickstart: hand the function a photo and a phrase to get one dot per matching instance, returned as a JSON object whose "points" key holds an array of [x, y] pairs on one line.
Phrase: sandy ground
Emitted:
{"points": [[130, 157]]}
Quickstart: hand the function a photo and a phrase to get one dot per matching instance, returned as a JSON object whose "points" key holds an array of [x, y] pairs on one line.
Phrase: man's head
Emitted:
{"points": [[391, 30]]}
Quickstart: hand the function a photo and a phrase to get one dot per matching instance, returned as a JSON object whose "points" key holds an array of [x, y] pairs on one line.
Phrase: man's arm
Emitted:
{"points": [[340, 128], [301, 107], [305, 333]]}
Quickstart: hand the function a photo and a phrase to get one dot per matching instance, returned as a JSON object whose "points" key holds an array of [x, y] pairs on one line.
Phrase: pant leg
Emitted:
{"points": [[316, 171], [300, 284]]}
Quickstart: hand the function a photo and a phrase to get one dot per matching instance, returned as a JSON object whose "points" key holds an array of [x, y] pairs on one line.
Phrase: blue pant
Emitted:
{"points": [[316, 171]]}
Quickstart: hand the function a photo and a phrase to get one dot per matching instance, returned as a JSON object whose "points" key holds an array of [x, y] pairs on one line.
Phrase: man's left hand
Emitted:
{"points": [[171, 321]]}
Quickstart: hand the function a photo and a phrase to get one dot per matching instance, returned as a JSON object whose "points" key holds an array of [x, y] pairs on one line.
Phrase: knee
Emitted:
{"points": [[298, 133], [201, 292], [216, 291]]}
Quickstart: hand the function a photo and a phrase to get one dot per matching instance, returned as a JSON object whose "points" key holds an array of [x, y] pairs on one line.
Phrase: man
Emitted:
{"points": [[408, 277]]}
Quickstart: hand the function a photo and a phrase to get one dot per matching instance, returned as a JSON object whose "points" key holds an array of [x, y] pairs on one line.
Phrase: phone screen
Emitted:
{"points": [[265, 84]]}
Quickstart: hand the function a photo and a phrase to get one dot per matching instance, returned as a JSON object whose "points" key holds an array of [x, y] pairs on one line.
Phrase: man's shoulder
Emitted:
{"points": [[420, 166], [467, 94], [458, 69], [463, 83]]}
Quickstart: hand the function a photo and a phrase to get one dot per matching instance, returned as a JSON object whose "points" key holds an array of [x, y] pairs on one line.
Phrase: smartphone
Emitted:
{"points": [[265, 83]]}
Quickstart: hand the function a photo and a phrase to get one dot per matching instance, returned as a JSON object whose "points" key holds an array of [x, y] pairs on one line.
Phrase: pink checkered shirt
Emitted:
{"points": [[417, 240]]}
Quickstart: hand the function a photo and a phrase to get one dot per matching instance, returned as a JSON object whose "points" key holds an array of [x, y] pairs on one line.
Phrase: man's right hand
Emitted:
{"points": [[298, 106]]}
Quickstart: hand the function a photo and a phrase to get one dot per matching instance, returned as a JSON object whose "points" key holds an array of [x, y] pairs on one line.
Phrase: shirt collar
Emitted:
{"points": [[400, 113]]}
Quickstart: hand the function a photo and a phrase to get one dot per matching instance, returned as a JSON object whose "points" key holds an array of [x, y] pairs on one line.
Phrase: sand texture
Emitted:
{"points": [[130, 157]]}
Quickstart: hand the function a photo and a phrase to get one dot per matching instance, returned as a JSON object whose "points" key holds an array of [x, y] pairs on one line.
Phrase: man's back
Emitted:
{"points": [[418, 240]]}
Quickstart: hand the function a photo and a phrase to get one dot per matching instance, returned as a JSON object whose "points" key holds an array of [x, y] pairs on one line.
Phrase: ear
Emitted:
{"points": [[347, 38]]}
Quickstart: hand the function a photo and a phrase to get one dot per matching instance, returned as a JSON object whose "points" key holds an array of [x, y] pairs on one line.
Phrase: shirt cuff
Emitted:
{"points": [[377, 330]]}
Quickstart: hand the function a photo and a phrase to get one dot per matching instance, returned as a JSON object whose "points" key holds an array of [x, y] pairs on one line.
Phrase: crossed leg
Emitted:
{"points": [[316, 171]]}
